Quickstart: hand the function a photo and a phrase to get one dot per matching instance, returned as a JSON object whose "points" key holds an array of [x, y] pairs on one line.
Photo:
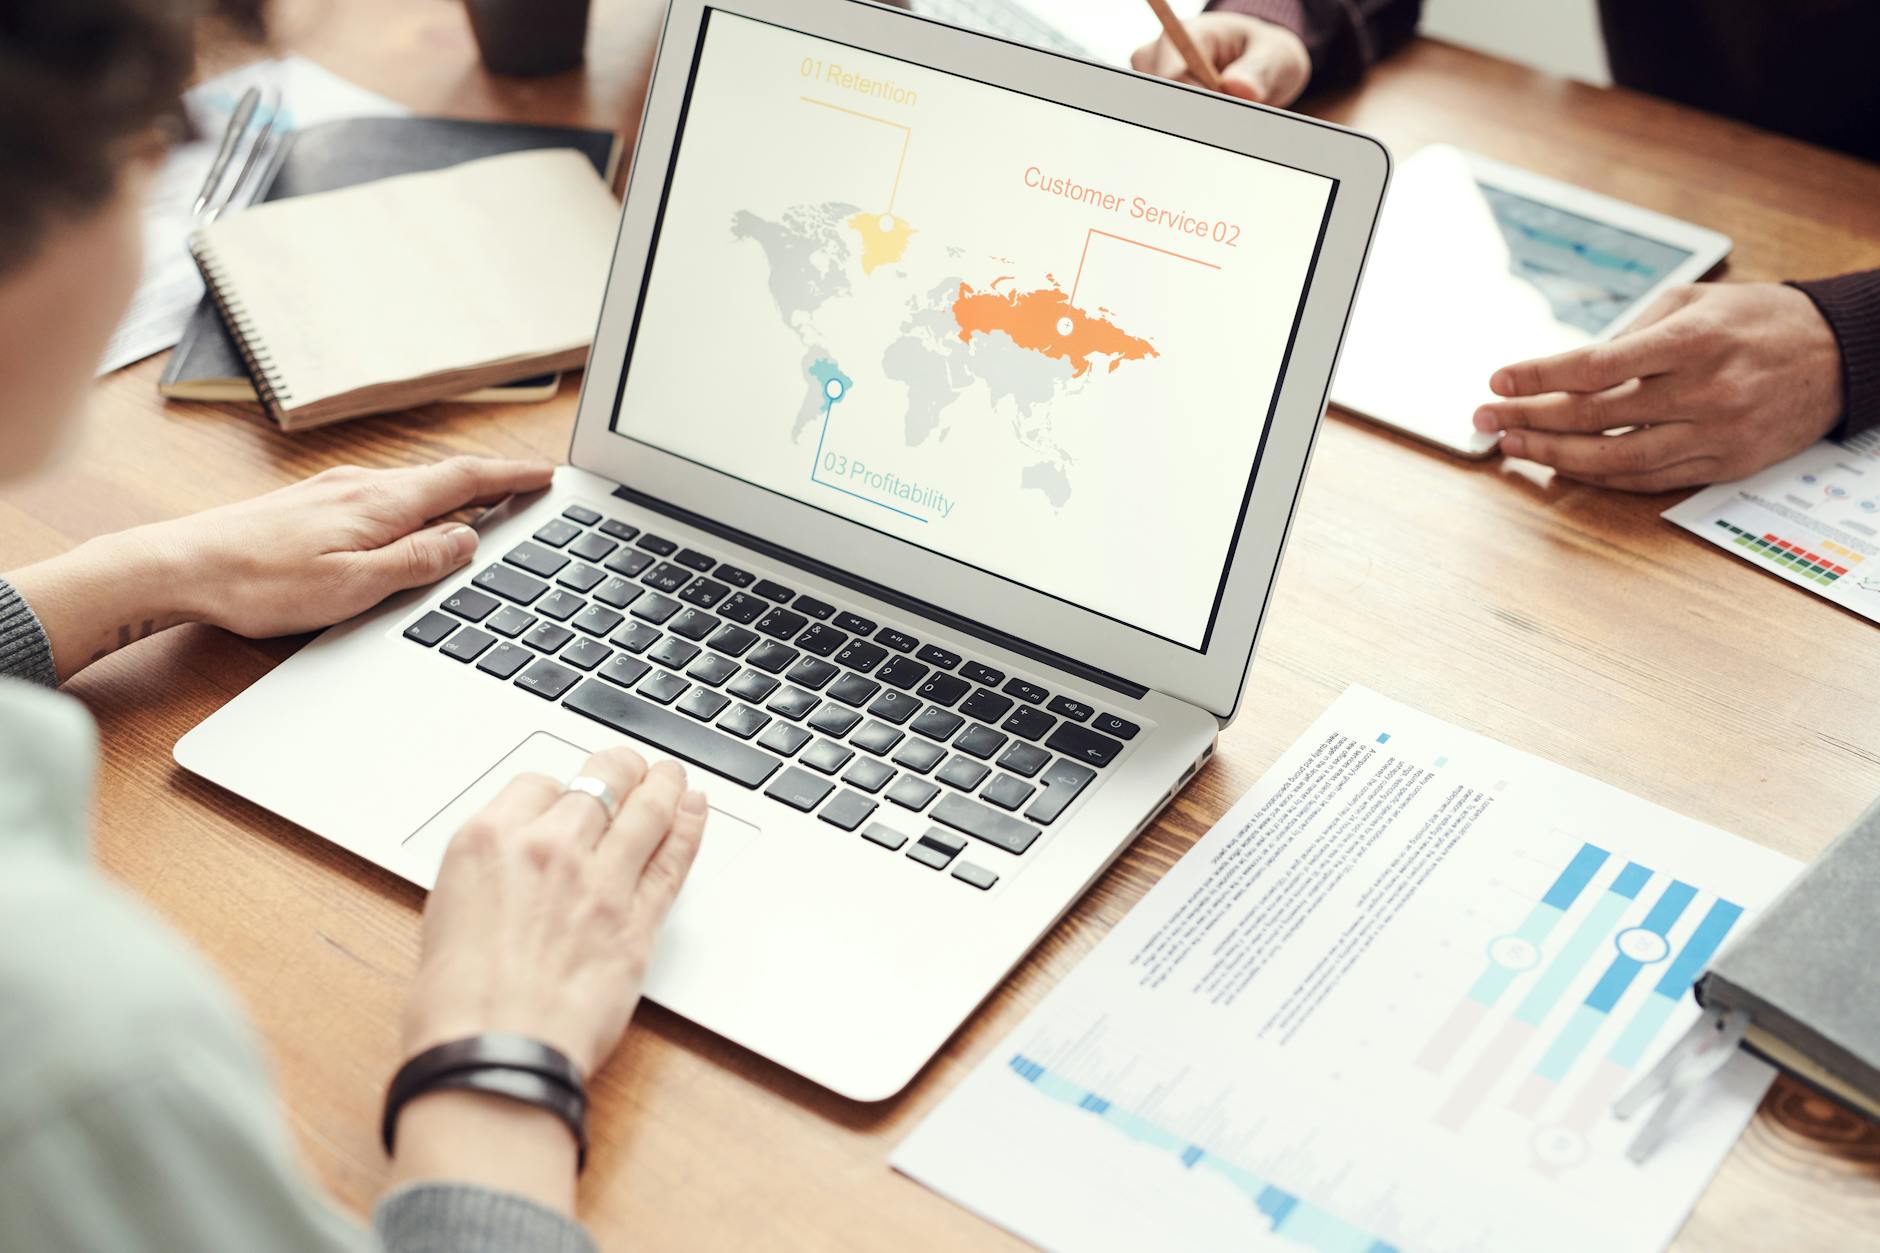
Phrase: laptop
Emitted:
{"points": [[946, 414]]}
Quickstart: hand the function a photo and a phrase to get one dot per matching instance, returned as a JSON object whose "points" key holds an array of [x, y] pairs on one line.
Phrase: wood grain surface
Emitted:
{"points": [[1563, 620]]}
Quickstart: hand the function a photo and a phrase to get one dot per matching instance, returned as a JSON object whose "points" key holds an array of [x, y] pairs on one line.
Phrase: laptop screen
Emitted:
{"points": [[1024, 336]]}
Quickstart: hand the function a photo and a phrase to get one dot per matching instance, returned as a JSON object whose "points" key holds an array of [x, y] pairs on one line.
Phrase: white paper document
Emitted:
{"points": [[1385, 1004], [1813, 520], [170, 287]]}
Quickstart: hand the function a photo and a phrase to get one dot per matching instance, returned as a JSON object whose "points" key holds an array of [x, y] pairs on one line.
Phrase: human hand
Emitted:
{"points": [[1256, 59], [545, 911], [1715, 382]]}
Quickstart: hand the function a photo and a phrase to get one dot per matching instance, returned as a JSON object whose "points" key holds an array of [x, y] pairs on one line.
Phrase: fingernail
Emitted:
{"points": [[1513, 443], [694, 802], [463, 542], [1501, 383], [1485, 419]]}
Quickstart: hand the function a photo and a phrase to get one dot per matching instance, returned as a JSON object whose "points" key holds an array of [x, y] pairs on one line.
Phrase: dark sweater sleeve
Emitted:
{"points": [[25, 652], [1345, 37], [1851, 304]]}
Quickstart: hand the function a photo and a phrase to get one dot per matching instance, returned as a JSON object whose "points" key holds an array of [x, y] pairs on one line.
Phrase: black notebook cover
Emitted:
{"points": [[359, 150]]}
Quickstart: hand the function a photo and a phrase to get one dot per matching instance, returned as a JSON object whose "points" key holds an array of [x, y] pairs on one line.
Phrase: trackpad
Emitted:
{"points": [[726, 836]]}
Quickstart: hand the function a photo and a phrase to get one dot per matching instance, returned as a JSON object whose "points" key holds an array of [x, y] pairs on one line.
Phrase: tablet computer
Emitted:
{"points": [[1477, 265]]}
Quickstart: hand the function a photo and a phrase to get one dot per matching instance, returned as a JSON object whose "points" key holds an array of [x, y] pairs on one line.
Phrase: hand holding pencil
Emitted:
{"points": [[1230, 53]]}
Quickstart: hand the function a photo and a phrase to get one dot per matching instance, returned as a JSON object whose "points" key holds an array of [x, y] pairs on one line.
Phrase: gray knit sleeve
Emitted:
{"points": [[461, 1218], [25, 652]]}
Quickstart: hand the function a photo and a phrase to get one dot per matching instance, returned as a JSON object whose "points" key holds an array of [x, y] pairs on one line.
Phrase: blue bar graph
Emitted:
{"points": [[1637, 1037], [1583, 944], [1287, 1215], [1542, 919]]}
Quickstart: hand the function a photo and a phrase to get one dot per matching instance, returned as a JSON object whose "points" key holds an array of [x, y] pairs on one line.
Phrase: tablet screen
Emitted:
{"points": [[1589, 271]]}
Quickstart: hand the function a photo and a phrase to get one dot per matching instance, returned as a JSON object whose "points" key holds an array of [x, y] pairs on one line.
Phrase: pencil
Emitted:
{"points": [[1198, 65]]}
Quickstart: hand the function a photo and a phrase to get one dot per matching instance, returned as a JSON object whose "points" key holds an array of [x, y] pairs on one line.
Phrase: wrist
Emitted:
{"points": [[104, 594], [470, 1137]]}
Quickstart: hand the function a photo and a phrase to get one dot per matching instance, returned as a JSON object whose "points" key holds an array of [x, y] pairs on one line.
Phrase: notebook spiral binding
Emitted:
{"points": [[269, 385]]}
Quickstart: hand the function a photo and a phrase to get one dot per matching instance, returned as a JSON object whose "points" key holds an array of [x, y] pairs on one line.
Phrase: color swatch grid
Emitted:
{"points": [[1796, 558]]}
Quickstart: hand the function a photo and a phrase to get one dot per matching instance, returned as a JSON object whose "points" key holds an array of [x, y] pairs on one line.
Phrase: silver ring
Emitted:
{"points": [[588, 785]]}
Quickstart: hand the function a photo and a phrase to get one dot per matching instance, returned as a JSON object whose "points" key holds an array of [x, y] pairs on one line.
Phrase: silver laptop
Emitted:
{"points": [[945, 417]]}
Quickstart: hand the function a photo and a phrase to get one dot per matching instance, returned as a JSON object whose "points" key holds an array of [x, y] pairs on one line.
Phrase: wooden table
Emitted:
{"points": [[1564, 620]]}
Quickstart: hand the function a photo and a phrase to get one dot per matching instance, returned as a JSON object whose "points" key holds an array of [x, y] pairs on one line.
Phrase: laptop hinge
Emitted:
{"points": [[867, 587]]}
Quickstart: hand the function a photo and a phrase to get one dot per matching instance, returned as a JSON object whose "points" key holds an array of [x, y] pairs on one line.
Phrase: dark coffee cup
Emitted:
{"points": [[528, 37]]}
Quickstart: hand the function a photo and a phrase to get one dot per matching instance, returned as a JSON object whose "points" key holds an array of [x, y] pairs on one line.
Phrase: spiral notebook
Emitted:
{"points": [[414, 289]]}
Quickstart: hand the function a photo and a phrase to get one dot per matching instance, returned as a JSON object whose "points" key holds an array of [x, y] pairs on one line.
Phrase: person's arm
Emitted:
{"points": [[1344, 38], [1850, 303], [1273, 51], [296, 559]]}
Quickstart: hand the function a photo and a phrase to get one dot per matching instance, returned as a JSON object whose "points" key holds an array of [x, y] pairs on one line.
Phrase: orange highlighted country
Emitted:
{"points": [[1045, 321]]}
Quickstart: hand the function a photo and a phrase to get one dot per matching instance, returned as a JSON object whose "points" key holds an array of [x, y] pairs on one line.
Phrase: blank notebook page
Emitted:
{"points": [[500, 258]]}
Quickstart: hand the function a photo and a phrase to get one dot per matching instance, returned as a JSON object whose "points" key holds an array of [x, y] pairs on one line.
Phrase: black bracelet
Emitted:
{"points": [[500, 1064]]}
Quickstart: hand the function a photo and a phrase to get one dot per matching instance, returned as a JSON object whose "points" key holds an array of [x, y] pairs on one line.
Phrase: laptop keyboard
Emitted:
{"points": [[819, 708]]}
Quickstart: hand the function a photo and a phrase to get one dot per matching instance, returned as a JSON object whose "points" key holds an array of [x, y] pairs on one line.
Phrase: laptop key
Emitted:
{"points": [[799, 789], [505, 659], [752, 685], [1030, 693], [744, 721], [812, 673], [809, 606], [592, 547], [654, 608], [937, 724], [918, 756], [1023, 759], [580, 578], [624, 670], [693, 624], [666, 577], [629, 562], [899, 641], [855, 624], [547, 680], [560, 605], [1028, 723], [703, 703], [1006, 792], [537, 560], [731, 574], [1065, 707], [848, 810], [510, 583], [710, 668], [635, 637], [673, 652], [1121, 728], [781, 623], [693, 559], [597, 620], [585, 654], [468, 644], [861, 656], [658, 544], [943, 689], [784, 738], [1061, 784], [556, 532], [684, 738], [912, 793], [977, 876], [936, 848], [581, 514], [901, 672], [834, 720], [617, 593], [431, 628], [509, 622], [704, 592], [887, 837], [983, 675], [937, 657], [868, 774], [1083, 744], [980, 740], [470, 604], [895, 707], [774, 657], [853, 689], [547, 636], [986, 705], [744, 609], [963, 773], [826, 756], [962, 813], [662, 686], [769, 589], [732, 641], [793, 703], [876, 737], [617, 529], [821, 640]]}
